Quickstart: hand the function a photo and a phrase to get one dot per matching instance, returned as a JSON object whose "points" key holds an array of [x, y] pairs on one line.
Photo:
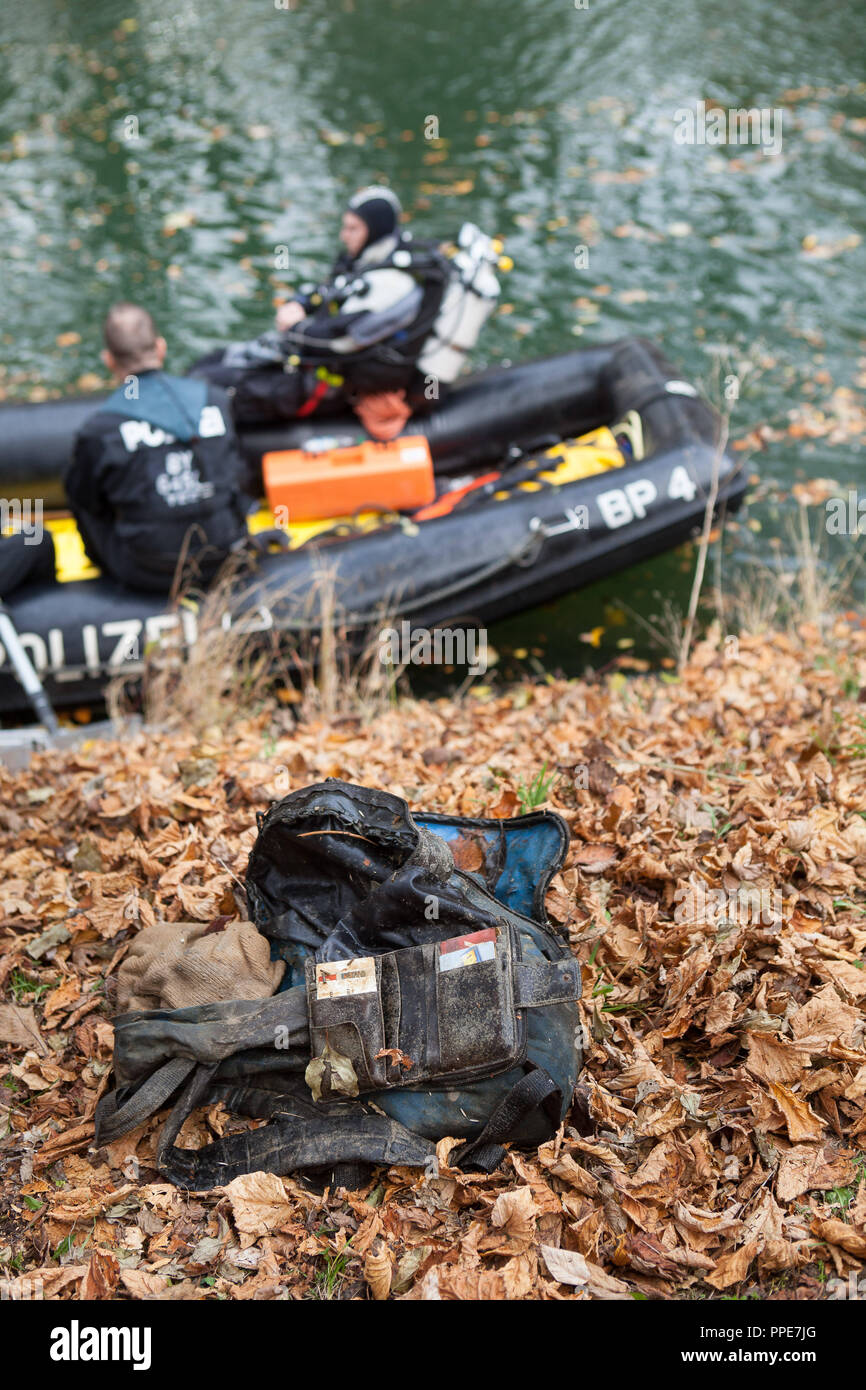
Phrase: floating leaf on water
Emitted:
{"points": [[176, 221]]}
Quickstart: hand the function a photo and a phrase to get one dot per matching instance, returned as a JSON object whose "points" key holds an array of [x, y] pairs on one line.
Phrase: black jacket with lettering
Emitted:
{"points": [[157, 473]]}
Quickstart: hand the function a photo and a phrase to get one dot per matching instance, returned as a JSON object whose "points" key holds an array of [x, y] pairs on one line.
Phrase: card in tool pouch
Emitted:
{"points": [[467, 950], [336, 978]]}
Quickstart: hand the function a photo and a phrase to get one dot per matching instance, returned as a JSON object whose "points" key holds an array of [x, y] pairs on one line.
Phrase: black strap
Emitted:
{"points": [[113, 1120], [304, 1135], [301, 1136], [218, 1032], [535, 1090], [194, 1093]]}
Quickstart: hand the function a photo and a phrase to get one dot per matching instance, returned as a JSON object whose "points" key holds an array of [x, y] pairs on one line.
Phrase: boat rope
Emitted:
{"points": [[524, 555]]}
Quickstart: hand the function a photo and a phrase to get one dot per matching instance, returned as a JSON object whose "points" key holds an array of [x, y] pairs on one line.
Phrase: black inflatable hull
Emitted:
{"points": [[482, 564], [475, 423]]}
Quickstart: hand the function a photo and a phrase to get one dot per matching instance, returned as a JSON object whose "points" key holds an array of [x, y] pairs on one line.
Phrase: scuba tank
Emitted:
{"points": [[460, 294], [467, 304]]}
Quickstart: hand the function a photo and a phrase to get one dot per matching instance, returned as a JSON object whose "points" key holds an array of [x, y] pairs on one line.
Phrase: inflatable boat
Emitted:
{"points": [[548, 475]]}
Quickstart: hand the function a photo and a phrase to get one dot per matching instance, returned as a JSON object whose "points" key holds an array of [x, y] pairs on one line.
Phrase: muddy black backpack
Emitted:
{"points": [[424, 995]]}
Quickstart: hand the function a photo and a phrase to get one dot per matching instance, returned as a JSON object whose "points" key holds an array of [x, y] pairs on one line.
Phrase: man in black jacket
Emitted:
{"points": [[156, 478]]}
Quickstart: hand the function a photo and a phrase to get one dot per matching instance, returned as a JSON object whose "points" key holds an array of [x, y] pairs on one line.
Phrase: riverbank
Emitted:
{"points": [[714, 891]]}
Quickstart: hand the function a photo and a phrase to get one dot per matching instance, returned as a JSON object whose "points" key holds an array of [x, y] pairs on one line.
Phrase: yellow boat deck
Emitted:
{"points": [[568, 463]]}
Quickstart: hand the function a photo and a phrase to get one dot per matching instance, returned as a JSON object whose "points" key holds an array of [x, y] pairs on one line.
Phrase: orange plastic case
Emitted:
{"points": [[336, 482]]}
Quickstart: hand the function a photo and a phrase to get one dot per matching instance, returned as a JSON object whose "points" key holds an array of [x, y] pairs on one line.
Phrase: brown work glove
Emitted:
{"points": [[175, 965]]}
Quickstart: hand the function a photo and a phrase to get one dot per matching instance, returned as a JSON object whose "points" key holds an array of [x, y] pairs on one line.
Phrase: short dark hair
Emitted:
{"points": [[130, 333]]}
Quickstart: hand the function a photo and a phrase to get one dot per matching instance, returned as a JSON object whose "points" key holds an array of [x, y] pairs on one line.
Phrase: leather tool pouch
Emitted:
{"points": [[443, 1010]]}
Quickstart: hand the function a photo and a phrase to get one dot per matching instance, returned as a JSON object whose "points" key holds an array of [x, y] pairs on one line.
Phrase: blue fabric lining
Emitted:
{"points": [[530, 852]]}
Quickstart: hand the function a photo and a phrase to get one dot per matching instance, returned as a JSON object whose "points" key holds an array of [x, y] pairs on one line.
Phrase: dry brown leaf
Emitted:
{"points": [[101, 1277], [570, 1267], [18, 1026], [259, 1203], [515, 1212], [367, 1233], [684, 980], [594, 859], [846, 975], [840, 1233], [507, 804], [802, 1122], [378, 1272], [720, 1014], [824, 1019], [62, 998], [778, 1255], [733, 1267], [566, 1266], [764, 1219], [856, 1089], [141, 1284], [773, 1059], [565, 1168], [86, 1202], [804, 1168], [702, 1229]]}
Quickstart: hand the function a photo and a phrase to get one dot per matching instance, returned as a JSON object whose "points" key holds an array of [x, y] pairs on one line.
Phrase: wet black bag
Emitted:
{"points": [[420, 999]]}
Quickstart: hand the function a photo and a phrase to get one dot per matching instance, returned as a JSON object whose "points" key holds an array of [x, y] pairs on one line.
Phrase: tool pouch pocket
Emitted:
{"points": [[446, 1010]]}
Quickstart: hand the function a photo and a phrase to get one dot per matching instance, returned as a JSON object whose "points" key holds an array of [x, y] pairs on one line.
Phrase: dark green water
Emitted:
{"points": [[555, 130]]}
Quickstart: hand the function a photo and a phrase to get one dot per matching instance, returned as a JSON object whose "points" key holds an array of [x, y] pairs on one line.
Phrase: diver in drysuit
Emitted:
{"points": [[359, 334], [157, 473]]}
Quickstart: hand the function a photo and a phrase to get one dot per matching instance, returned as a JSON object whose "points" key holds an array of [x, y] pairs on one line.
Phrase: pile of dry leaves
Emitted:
{"points": [[714, 893]]}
